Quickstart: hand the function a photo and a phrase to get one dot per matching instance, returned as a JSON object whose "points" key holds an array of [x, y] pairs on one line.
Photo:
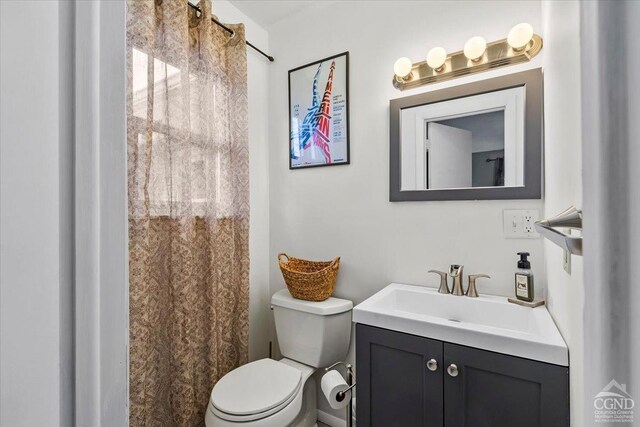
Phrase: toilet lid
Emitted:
{"points": [[255, 387]]}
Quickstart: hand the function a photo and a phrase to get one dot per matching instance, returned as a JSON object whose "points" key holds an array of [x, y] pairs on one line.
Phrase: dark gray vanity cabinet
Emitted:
{"points": [[394, 385], [493, 389], [469, 387]]}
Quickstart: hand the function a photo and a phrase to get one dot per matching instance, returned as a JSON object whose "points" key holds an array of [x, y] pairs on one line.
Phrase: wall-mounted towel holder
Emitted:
{"points": [[570, 218]]}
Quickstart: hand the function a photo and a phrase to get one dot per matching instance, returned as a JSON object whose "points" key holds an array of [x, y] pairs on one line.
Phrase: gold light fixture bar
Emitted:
{"points": [[498, 54]]}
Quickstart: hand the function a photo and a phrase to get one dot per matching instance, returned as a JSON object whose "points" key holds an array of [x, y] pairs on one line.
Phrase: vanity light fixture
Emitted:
{"points": [[521, 45], [402, 68], [436, 58], [474, 48]]}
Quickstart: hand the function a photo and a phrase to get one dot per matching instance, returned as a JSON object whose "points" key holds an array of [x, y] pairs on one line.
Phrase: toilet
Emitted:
{"points": [[270, 393]]}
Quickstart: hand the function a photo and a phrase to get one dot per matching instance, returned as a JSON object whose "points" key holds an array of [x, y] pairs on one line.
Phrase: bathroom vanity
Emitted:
{"points": [[429, 359]]}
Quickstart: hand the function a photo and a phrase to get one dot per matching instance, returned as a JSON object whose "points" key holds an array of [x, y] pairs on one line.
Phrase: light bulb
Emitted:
{"points": [[474, 48], [436, 58], [402, 67], [520, 36]]}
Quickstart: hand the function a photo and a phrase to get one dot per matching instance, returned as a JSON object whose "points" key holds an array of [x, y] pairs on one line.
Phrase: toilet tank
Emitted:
{"points": [[314, 333]]}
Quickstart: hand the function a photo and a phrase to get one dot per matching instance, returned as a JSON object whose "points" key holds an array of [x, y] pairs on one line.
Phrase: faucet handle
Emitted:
{"points": [[444, 286], [471, 289]]}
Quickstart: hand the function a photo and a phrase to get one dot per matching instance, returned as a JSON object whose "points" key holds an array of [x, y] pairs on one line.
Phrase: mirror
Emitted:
{"points": [[477, 141]]}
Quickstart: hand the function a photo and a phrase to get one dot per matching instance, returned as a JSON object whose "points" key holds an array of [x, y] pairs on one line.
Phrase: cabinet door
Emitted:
{"points": [[395, 386], [494, 390]]}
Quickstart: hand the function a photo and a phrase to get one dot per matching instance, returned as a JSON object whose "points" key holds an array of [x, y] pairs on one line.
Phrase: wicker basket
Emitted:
{"points": [[309, 280]]}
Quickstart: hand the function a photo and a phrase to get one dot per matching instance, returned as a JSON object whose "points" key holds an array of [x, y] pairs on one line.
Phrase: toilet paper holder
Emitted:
{"points": [[351, 384]]}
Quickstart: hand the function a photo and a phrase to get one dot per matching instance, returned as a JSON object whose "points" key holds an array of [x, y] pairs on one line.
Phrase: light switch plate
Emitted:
{"points": [[519, 223]]}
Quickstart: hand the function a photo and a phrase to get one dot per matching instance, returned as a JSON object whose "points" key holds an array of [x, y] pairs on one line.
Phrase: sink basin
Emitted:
{"points": [[487, 322]]}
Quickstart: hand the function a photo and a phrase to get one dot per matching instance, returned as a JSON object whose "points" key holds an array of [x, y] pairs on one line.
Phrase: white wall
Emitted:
{"points": [[258, 81], [320, 213], [35, 206], [563, 174], [344, 210]]}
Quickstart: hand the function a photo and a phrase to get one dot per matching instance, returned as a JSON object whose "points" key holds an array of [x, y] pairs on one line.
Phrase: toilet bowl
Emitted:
{"points": [[270, 393], [264, 393]]}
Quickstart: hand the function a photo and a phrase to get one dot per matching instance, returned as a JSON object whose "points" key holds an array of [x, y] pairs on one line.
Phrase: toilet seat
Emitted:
{"points": [[256, 390]]}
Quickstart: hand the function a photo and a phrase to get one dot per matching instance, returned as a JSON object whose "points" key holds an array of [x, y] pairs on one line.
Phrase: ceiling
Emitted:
{"points": [[268, 12]]}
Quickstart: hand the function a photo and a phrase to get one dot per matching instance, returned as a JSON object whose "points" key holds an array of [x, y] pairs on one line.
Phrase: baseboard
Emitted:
{"points": [[331, 420]]}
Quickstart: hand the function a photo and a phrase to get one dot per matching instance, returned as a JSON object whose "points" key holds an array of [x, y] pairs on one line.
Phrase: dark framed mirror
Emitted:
{"points": [[477, 141]]}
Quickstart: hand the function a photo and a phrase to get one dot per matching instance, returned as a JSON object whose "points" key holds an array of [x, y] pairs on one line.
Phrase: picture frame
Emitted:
{"points": [[319, 113]]}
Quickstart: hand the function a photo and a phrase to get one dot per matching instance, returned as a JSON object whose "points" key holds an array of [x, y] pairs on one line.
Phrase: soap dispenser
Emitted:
{"points": [[524, 279]]}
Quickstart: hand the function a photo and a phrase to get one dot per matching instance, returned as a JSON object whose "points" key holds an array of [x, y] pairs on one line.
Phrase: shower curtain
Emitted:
{"points": [[188, 196]]}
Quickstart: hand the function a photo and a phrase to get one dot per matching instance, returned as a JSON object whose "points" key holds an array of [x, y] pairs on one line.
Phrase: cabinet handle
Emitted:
{"points": [[452, 370], [432, 365]]}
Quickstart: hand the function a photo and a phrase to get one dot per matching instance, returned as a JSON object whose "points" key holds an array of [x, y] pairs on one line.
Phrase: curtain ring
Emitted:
{"points": [[195, 17]]}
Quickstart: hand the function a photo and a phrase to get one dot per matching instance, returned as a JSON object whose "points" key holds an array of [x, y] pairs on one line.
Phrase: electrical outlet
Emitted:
{"points": [[519, 224], [529, 218]]}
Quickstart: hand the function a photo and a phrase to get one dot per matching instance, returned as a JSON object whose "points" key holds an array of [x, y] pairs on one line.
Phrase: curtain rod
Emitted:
{"points": [[230, 31]]}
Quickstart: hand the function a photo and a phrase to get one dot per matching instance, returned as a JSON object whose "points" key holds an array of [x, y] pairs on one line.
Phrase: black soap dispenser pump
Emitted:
{"points": [[524, 279]]}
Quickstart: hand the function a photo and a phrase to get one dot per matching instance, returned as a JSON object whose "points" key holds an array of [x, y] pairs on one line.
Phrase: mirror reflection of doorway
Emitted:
{"points": [[487, 141], [449, 163]]}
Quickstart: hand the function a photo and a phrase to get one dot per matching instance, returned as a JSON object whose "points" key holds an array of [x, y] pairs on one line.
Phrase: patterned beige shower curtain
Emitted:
{"points": [[188, 195]]}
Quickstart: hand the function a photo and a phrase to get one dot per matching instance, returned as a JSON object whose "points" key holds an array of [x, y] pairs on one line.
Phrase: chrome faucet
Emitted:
{"points": [[444, 286], [471, 290], [455, 271]]}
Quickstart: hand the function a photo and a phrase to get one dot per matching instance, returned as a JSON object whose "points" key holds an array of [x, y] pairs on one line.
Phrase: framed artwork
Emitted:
{"points": [[319, 113]]}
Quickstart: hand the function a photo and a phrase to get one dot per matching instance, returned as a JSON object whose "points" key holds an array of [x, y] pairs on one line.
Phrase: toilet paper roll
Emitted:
{"points": [[332, 384]]}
